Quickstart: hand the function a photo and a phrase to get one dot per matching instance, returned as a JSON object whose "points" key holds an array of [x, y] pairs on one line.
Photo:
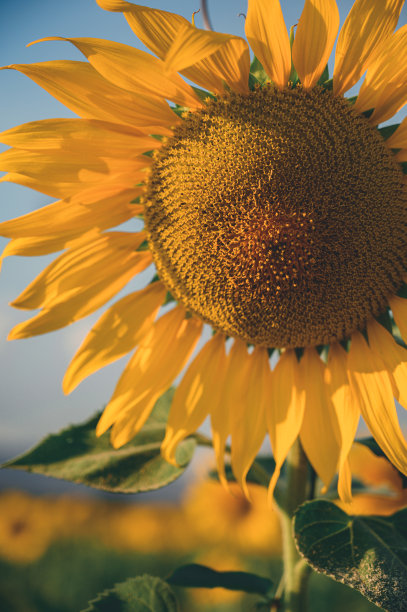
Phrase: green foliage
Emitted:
{"points": [[258, 75], [388, 130], [76, 454], [367, 553], [201, 576], [143, 594]]}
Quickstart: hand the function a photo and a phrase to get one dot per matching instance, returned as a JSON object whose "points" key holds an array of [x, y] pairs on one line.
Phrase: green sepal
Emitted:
{"points": [[324, 76], [385, 319], [351, 100], [143, 246], [367, 553], [77, 455], [201, 576], [203, 94], [329, 84], [375, 448], [368, 113], [257, 76], [388, 130], [180, 110], [404, 167], [142, 594], [402, 292]]}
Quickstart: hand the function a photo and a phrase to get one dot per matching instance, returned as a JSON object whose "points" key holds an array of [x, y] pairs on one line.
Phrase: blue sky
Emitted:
{"points": [[32, 370]]}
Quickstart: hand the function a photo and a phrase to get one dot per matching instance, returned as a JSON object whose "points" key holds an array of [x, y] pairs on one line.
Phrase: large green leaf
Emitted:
{"points": [[76, 454], [367, 553], [143, 594], [201, 576]]}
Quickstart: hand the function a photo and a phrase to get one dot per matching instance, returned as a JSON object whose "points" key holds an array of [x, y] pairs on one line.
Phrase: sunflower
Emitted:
{"points": [[274, 211]]}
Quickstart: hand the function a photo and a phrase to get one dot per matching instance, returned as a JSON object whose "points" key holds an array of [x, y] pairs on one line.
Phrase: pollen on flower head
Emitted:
{"points": [[278, 217]]}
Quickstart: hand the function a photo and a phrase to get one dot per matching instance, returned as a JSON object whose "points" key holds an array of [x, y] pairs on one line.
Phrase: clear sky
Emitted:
{"points": [[31, 371]]}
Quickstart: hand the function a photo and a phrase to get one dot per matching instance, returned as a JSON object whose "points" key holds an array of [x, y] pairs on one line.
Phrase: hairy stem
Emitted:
{"points": [[296, 571]]}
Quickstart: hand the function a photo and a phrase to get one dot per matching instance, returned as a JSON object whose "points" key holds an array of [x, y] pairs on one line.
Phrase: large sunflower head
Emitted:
{"points": [[274, 210]]}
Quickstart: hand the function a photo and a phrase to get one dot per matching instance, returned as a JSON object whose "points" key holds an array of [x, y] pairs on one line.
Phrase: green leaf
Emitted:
{"points": [[258, 76], [201, 576], [367, 553], [76, 454], [143, 594]]}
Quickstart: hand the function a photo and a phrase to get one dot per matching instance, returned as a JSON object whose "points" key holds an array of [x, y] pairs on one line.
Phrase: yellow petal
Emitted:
{"points": [[198, 393], [393, 355], [74, 270], [284, 410], [83, 90], [366, 28], [232, 61], [90, 136], [62, 173], [133, 70], [373, 470], [389, 102], [153, 367], [319, 431], [267, 36], [398, 307], [383, 78], [207, 58], [398, 140], [116, 333], [346, 411], [68, 219], [248, 421], [371, 386], [33, 246], [314, 39], [232, 380], [82, 300]]}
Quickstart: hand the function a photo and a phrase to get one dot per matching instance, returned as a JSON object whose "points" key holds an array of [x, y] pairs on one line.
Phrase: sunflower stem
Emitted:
{"points": [[296, 571]]}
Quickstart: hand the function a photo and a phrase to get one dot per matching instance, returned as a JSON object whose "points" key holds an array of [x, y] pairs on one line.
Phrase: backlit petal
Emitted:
{"points": [[68, 219], [83, 90], [346, 410], [62, 174], [75, 269], [268, 37], [162, 355], [384, 78], [198, 393], [365, 29], [208, 58], [393, 355], [134, 70], [248, 422], [116, 333], [284, 410], [314, 39], [372, 388], [398, 140], [319, 431], [233, 381], [80, 135]]}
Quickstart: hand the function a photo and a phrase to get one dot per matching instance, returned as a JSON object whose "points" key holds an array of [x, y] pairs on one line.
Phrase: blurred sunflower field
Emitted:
{"points": [[57, 551]]}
